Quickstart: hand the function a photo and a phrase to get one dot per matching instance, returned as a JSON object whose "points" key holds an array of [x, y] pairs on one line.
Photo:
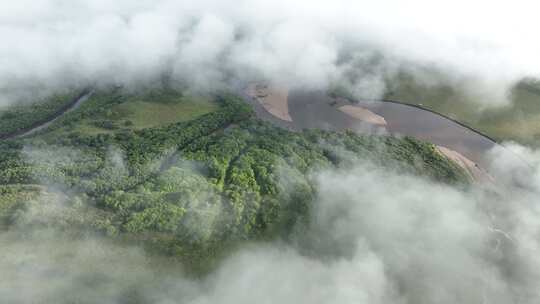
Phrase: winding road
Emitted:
{"points": [[40, 125]]}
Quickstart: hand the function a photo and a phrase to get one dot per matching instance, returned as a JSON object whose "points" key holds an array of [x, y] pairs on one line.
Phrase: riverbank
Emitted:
{"points": [[274, 100], [462, 144]]}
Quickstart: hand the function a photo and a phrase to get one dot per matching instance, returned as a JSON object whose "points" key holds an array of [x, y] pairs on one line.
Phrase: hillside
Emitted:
{"points": [[184, 175]]}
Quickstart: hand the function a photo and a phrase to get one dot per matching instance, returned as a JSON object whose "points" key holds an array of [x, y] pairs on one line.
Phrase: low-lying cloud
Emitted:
{"points": [[375, 236], [483, 46]]}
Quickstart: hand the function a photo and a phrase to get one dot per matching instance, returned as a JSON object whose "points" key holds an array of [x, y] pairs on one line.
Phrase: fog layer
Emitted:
{"points": [[374, 237], [483, 47]]}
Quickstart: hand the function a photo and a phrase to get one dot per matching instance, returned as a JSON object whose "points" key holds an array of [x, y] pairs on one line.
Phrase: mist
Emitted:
{"points": [[374, 236], [482, 47]]}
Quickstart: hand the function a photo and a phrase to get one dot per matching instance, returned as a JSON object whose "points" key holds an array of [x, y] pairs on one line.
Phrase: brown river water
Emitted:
{"points": [[318, 110]]}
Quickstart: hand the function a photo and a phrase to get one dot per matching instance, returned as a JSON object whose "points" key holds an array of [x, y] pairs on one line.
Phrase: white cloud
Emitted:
{"points": [[374, 237], [484, 46]]}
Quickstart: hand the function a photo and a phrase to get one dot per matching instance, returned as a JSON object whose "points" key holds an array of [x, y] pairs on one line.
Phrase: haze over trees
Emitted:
{"points": [[188, 188], [185, 174]]}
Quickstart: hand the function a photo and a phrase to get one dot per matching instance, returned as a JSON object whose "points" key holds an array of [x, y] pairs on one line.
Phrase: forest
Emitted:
{"points": [[193, 188], [15, 120]]}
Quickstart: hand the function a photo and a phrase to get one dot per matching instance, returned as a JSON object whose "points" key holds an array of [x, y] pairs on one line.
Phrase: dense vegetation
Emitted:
{"points": [[17, 119], [191, 187]]}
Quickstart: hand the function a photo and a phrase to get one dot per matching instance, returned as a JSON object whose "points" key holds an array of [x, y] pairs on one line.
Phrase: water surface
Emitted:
{"points": [[315, 109]]}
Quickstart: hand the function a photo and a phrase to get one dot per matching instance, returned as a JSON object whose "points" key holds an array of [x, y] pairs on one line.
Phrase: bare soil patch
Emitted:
{"points": [[273, 99], [363, 114], [475, 172]]}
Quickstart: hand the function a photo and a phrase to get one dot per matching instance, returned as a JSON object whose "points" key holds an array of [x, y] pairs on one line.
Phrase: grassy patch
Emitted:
{"points": [[107, 112], [144, 113]]}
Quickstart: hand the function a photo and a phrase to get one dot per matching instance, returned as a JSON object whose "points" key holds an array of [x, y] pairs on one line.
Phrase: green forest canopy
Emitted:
{"points": [[191, 187]]}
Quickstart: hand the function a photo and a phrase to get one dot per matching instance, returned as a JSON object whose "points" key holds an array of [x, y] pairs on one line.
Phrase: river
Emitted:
{"points": [[316, 109]]}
